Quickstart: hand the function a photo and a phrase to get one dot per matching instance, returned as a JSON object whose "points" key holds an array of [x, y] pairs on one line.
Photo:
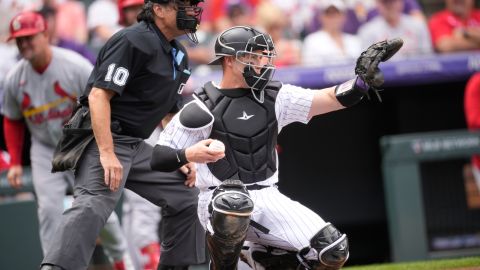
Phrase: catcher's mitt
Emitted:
{"points": [[367, 64]]}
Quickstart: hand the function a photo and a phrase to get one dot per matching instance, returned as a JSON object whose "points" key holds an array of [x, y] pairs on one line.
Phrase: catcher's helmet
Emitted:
{"points": [[252, 48], [26, 24]]}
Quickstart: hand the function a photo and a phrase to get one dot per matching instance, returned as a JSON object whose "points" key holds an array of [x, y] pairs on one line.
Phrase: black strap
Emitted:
{"points": [[259, 226], [249, 187], [256, 187]]}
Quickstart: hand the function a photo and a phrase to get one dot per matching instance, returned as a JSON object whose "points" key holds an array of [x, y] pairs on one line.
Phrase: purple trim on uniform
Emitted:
{"points": [[77, 47], [361, 85]]}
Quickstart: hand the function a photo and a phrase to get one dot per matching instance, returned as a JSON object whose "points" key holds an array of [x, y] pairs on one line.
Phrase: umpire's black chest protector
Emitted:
{"points": [[249, 131]]}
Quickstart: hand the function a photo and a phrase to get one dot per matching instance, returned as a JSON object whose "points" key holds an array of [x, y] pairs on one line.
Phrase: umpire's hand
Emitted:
{"points": [[113, 170], [190, 172], [14, 176]]}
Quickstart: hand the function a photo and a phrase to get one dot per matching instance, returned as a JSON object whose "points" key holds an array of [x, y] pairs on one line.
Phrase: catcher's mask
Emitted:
{"points": [[252, 48], [189, 15]]}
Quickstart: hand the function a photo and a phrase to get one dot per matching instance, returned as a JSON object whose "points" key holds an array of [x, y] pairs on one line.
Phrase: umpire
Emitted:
{"points": [[137, 79]]}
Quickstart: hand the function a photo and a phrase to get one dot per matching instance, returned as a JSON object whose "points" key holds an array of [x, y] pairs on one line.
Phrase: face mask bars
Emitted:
{"points": [[258, 81]]}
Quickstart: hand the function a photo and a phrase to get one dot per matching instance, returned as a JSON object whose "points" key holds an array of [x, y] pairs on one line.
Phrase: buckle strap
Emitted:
{"points": [[249, 187]]}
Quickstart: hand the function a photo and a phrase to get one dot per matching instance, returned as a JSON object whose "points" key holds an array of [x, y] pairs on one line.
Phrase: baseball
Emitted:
{"points": [[217, 146]]}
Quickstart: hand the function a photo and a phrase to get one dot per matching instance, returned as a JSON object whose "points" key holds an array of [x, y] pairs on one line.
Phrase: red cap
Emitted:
{"points": [[128, 3], [26, 24], [121, 4]]}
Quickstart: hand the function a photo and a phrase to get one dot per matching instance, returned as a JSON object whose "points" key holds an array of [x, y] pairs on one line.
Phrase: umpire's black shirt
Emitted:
{"points": [[146, 71]]}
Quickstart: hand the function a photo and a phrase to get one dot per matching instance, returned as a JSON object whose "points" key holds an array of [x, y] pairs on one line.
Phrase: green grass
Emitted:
{"points": [[462, 263]]}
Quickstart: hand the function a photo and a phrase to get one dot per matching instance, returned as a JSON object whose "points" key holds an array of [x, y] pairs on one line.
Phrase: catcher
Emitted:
{"points": [[239, 199]]}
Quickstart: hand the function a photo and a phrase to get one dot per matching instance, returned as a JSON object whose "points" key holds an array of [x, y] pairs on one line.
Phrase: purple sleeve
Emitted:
{"points": [[409, 6], [78, 48]]}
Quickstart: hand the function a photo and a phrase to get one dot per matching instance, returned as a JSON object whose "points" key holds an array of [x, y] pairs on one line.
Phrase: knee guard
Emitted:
{"points": [[230, 210], [332, 248]]}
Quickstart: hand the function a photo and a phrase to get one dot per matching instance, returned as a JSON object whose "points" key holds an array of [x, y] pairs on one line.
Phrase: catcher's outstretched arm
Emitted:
{"points": [[369, 76], [324, 101], [337, 97]]}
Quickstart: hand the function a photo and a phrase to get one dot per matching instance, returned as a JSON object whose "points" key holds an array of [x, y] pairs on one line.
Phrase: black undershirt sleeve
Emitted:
{"points": [[167, 159]]}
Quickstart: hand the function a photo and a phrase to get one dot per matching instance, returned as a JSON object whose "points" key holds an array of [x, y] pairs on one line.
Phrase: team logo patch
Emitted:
{"points": [[245, 116], [16, 25]]}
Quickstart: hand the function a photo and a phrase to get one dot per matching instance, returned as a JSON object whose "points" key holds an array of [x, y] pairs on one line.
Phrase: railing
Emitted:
{"points": [[427, 69]]}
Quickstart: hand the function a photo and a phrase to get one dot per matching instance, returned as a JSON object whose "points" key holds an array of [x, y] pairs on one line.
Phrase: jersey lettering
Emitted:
{"points": [[119, 77], [111, 68]]}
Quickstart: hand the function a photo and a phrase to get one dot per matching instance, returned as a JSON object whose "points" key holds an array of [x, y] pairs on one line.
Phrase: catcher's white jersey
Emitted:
{"points": [[290, 224], [292, 105], [45, 100]]}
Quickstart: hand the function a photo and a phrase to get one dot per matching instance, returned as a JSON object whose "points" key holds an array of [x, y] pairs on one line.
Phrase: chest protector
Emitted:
{"points": [[249, 131]]}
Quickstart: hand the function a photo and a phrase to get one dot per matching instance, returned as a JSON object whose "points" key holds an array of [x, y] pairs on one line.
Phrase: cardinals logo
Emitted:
{"points": [[49, 110], [26, 102], [62, 93]]}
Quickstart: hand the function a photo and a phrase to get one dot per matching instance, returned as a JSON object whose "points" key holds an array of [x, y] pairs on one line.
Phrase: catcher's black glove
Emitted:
{"points": [[367, 64]]}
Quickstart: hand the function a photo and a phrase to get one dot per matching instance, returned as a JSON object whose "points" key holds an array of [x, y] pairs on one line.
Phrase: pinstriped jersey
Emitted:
{"points": [[291, 105], [46, 100]]}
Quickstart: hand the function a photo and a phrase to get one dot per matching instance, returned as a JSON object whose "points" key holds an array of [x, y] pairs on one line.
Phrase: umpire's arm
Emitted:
{"points": [[100, 111]]}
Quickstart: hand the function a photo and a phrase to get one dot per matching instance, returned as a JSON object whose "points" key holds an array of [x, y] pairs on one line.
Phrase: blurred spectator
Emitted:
{"points": [[128, 11], [457, 28], [239, 14], [330, 45], [358, 12], [410, 7], [271, 19], [9, 8], [355, 15], [300, 12], [236, 13], [393, 23], [223, 14], [102, 22], [472, 115], [49, 14], [71, 21]]}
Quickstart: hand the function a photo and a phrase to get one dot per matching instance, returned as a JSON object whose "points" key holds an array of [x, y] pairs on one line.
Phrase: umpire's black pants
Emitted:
{"points": [[183, 240]]}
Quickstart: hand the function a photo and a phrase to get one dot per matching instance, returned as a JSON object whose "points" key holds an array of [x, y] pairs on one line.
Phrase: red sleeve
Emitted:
{"points": [[14, 131], [218, 10], [439, 27], [472, 108], [472, 102]]}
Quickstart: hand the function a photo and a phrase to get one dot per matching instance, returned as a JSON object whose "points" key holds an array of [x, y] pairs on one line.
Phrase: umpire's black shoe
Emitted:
{"points": [[50, 267]]}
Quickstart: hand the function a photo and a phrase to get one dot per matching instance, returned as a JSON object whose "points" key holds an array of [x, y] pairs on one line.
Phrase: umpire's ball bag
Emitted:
{"points": [[77, 133]]}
